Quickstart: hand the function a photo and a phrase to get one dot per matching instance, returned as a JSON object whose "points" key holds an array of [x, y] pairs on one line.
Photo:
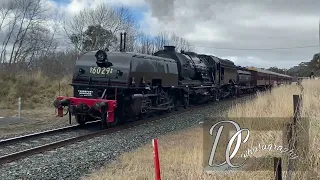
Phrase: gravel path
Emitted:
{"points": [[77, 160]]}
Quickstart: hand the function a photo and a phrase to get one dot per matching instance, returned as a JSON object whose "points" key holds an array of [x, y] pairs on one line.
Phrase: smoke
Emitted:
{"points": [[186, 10], [162, 9]]}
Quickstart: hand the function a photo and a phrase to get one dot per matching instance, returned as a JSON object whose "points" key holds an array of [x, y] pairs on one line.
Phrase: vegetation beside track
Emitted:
{"points": [[37, 92], [35, 89], [181, 153]]}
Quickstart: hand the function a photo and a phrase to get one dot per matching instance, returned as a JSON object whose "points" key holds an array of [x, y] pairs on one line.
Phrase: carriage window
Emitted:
{"points": [[222, 70], [167, 68]]}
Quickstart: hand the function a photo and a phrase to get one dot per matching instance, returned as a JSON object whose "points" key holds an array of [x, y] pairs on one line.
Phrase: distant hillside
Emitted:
{"points": [[303, 69]]}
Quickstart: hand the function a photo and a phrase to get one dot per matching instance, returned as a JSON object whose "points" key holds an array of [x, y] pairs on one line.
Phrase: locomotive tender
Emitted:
{"points": [[116, 87]]}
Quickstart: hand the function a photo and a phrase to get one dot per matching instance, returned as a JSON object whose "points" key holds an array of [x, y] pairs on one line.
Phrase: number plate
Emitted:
{"points": [[100, 70], [86, 92]]}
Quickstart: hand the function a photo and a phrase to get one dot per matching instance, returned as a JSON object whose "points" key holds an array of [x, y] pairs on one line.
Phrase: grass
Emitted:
{"points": [[37, 94], [35, 90], [33, 120], [181, 153]]}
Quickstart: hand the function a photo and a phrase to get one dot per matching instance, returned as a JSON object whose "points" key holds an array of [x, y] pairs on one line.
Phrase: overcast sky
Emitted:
{"points": [[210, 25], [244, 24]]}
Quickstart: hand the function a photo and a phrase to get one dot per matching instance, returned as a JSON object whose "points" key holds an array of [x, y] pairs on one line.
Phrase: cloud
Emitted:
{"points": [[239, 25], [75, 6], [227, 29], [67, 8]]}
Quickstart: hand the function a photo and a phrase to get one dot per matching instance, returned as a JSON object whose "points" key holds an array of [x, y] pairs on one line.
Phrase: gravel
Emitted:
{"points": [[76, 160]]}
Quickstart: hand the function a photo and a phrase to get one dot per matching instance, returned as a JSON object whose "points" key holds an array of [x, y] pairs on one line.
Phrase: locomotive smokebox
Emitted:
{"points": [[169, 48]]}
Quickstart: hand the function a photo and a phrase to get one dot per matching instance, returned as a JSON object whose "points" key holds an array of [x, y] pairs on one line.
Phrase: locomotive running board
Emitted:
{"points": [[158, 108], [199, 87]]}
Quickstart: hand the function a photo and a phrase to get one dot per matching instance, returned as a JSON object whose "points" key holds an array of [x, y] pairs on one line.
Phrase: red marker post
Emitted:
{"points": [[156, 159]]}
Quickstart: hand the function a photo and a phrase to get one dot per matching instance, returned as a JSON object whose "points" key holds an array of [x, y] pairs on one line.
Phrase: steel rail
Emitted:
{"points": [[28, 136], [54, 145], [37, 134]]}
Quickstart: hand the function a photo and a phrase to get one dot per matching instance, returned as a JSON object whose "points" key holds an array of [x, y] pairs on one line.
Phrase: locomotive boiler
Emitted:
{"points": [[195, 77]]}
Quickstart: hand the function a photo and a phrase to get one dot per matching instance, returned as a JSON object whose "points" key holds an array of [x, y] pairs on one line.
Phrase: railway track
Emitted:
{"points": [[19, 147], [13, 148], [4, 142]]}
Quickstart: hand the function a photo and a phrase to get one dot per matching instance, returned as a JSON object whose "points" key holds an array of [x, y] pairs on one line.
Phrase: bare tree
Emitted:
{"points": [[162, 39], [5, 11], [180, 43], [144, 44], [26, 34], [111, 20], [149, 45]]}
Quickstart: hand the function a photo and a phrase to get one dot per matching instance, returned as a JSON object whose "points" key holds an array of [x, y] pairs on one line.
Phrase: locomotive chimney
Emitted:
{"points": [[121, 42], [124, 41], [169, 48]]}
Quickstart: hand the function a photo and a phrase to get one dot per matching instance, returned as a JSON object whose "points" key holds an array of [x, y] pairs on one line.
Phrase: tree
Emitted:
{"points": [[162, 39], [145, 43], [26, 33], [315, 62], [304, 69], [103, 19], [148, 44], [95, 37], [277, 70], [180, 43]]}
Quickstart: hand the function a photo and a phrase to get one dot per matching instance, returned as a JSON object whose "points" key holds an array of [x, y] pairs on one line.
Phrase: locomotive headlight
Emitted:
{"points": [[101, 56], [102, 59]]}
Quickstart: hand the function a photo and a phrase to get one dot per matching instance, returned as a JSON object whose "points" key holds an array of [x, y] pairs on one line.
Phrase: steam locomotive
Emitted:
{"points": [[116, 87]]}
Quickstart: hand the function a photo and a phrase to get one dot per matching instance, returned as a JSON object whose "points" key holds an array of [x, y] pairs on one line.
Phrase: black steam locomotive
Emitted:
{"points": [[116, 87]]}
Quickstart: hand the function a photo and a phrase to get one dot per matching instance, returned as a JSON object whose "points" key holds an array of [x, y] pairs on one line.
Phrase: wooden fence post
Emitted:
{"points": [[277, 168], [156, 159], [297, 100], [296, 108]]}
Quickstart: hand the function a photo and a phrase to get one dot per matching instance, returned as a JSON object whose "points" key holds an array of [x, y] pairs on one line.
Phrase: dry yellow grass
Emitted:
{"points": [[37, 93], [35, 90], [181, 153], [33, 119]]}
